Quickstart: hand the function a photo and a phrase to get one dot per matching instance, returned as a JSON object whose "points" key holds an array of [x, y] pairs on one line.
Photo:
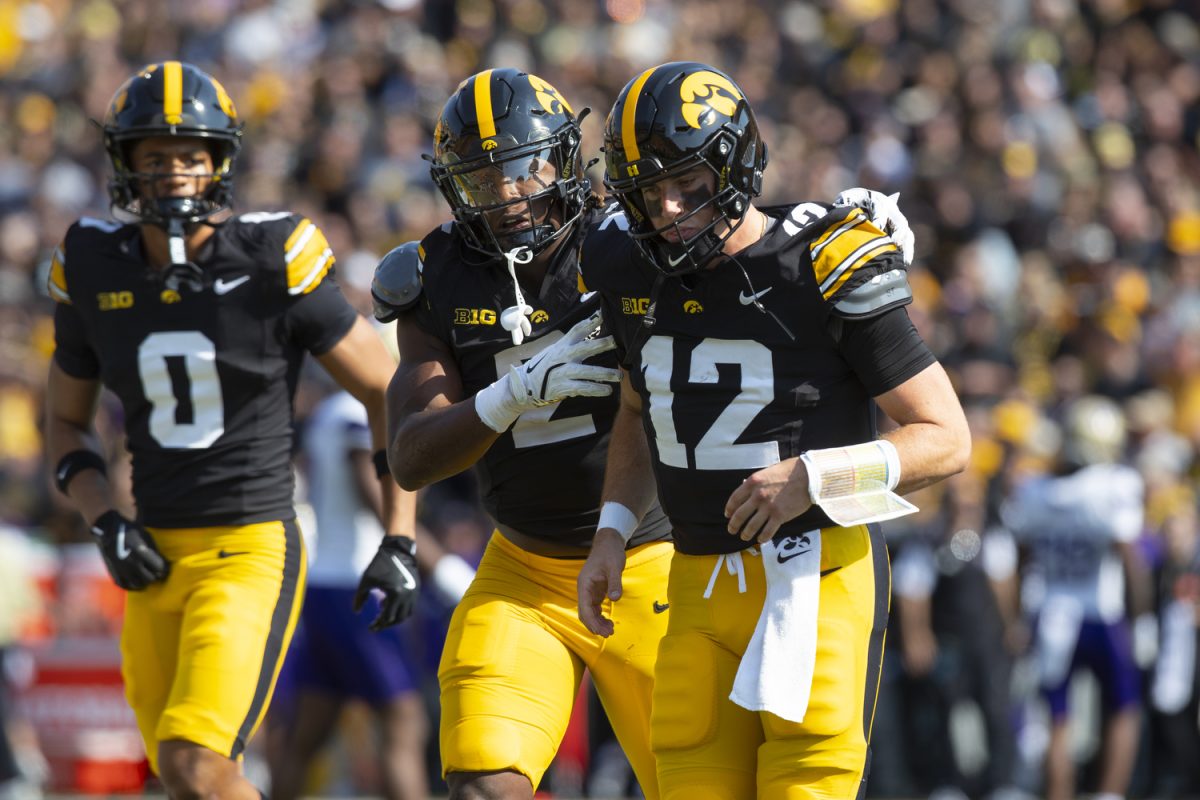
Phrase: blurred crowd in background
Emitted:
{"points": [[1046, 152]]}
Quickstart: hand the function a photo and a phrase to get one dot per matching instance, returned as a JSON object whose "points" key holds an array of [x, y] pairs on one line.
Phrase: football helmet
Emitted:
{"points": [[667, 121], [171, 98], [500, 133], [1093, 432]]}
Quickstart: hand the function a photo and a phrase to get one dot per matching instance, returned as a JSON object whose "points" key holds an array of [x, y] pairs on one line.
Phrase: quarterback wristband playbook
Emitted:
{"points": [[74, 463], [619, 518], [854, 484]]}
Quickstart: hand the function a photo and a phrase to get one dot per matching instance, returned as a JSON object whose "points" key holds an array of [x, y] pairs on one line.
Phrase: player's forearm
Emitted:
{"points": [[89, 491], [433, 444], [628, 476], [929, 452]]}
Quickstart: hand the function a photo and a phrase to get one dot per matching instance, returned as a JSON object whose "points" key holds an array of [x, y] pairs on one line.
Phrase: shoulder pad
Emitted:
{"points": [[306, 256], [397, 282], [849, 243], [884, 291]]}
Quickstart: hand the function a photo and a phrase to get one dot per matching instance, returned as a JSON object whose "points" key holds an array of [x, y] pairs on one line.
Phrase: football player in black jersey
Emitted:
{"points": [[756, 344], [198, 320], [493, 334]]}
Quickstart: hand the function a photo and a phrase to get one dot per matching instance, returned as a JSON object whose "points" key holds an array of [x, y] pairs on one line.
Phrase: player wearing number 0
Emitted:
{"points": [[756, 344], [493, 332], [198, 320]]}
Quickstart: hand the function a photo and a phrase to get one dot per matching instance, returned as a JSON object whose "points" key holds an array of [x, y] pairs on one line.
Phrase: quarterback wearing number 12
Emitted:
{"points": [[198, 320]]}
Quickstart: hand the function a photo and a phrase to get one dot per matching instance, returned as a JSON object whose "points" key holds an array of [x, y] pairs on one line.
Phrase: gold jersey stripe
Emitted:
{"points": [[308, 261], [851, 264], [852, 218], [173, 92], [300, 230], [483, 104], [56, 283], [629, 114], [582, 286]]}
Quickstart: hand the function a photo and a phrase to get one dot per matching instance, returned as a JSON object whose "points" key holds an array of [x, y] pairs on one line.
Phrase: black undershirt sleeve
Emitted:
{"points": [[72, 352], [884, 351]]}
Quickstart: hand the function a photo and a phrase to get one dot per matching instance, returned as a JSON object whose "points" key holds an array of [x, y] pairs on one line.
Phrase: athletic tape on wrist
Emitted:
{"points": [[618, 517]]}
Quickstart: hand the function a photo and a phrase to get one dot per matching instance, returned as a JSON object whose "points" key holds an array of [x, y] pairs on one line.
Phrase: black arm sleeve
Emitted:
{"points": [[72, 352], [318, 320], [884, 351]]}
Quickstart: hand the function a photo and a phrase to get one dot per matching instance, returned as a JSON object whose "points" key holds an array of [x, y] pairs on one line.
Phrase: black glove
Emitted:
{"points": [[129, 553], [393, 570]]}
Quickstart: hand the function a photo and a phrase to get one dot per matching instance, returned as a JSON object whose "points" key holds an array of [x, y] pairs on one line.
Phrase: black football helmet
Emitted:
{"points": [[500, 129], [667, 121], [171, 98]]}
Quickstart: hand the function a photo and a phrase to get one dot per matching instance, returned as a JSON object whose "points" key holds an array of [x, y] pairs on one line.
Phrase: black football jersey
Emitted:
{"points": [[206, 378], [745, 365], [542, 477]]}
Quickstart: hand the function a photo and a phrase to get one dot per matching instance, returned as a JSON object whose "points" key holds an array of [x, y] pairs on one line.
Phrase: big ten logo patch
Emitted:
{"points": [[474, 316]]}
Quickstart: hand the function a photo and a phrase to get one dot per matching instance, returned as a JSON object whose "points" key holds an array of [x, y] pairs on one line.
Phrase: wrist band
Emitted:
{"points": [[853, 485], [619, 518], [76, 462], [381, 464]]}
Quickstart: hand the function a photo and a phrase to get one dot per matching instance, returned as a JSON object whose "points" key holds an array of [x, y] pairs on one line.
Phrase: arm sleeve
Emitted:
{"points": [[884, 351], [319, 319], [72, 351]]}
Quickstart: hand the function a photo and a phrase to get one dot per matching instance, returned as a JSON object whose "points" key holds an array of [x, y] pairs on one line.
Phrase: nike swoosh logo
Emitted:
{"points": [[675, 261], [747, 299], [222, 286], [122, 551], [409, 581], [660, 607]]}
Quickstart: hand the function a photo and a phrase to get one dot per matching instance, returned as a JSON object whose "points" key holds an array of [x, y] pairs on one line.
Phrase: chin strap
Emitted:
{"points": [[180, 273], [515, 319]]}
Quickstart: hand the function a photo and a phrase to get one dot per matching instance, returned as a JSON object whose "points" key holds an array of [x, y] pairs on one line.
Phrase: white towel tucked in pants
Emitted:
{"points": [[776, 670]]}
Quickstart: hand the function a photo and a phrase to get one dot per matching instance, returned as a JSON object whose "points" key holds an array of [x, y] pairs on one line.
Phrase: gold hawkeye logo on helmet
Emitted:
{"points": [[700, 93], [489, 144], [548, 96]]}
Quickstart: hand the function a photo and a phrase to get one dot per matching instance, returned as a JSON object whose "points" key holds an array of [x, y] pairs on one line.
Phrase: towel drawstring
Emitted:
{"points": [[734, 566]]}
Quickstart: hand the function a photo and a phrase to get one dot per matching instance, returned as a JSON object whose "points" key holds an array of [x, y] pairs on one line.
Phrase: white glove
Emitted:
{"points": [[885, 215], [556, 372]]}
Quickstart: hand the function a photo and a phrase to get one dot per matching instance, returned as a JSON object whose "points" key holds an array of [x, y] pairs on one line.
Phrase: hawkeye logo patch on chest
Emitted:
{"points": [[474, 316], [539, 316], [170, 296], [114, 301], [635, 306], [692, 307]]}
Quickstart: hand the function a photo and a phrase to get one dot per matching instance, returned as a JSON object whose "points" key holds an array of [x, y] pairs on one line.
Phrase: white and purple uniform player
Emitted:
{"points": [[1072, 528]]}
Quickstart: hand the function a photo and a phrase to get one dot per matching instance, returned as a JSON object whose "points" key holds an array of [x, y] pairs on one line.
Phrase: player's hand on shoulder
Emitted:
{"points": [[393, 571], [885, 215], [129, 552]]}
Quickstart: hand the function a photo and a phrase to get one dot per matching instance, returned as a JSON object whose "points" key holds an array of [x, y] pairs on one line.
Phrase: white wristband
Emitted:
{"points": [[619, 518], [892, 458], [496, 406]]}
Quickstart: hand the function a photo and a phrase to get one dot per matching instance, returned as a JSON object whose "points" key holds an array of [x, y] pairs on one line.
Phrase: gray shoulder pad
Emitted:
{"points": [[397, 282], [877, 295]]}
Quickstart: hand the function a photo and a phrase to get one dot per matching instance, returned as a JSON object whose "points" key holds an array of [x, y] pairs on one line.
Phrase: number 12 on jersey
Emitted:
{"points": [[717, 448]]}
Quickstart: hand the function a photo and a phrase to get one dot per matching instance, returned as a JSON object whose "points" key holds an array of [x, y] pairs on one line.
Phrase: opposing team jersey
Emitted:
{"points": [[1069, 525], [729, 388], [205, 378], [543, 476], [347, 531]]}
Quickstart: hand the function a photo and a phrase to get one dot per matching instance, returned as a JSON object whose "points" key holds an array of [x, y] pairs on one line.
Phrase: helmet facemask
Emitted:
{"points": [[134, 192], [515, 195]]}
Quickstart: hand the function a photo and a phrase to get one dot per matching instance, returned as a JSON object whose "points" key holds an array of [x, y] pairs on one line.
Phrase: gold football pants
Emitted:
{"points": [[708, 748], [515, 655], [201, 651]]}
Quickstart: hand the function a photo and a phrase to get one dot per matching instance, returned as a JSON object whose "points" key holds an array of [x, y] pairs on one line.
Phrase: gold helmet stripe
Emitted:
{"points": [[173, 92], [483, 104], [628, 134]]}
